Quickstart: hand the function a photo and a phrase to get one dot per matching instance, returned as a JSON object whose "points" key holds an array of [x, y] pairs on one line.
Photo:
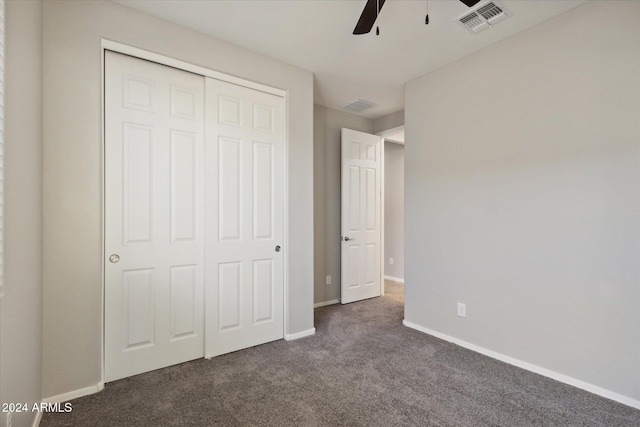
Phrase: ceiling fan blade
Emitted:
{"points": [[368, 17], [470, 3]]}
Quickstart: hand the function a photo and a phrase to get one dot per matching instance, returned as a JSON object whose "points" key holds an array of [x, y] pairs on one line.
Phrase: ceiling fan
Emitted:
{"points": [[372, 9]]}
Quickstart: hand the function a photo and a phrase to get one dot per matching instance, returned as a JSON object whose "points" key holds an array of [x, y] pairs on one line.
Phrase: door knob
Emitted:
{"points": [[347, 238], [278, 248], [114, 258]]}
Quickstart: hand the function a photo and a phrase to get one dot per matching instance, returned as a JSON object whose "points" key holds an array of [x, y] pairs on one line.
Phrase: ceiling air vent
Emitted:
{"points": [[483, 16], [491, 12], [359, 105]]}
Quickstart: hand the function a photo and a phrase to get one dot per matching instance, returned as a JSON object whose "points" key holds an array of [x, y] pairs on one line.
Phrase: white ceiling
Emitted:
{"points": [[316, 35]]}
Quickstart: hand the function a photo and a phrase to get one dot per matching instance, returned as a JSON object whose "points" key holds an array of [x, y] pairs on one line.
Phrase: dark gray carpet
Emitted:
{"points": [[362, 368]]}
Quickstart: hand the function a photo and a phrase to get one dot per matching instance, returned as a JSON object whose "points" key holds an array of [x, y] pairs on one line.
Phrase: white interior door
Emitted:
{"points": [[245, 217], [154, 129], [361, 216]]}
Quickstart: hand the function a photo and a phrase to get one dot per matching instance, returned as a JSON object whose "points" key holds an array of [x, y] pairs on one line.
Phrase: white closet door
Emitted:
{"points": [[154, 127], [244, 175]]}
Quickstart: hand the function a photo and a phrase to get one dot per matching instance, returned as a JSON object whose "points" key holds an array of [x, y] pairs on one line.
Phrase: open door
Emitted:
{"points": [[361, 274]]}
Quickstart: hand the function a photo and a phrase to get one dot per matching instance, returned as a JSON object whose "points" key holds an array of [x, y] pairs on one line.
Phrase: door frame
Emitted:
{"points": [[382, 134], [110, 45]]}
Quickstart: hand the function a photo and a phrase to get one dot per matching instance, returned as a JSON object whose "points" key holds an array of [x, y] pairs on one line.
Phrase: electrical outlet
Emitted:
{"points": [[390, 261], [462, 310], [328, 279], [9, 420]]}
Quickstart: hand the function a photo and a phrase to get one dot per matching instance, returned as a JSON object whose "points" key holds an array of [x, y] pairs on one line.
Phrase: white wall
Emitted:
{"points": [[21, 307], [389, 121], [73, 161], [394, 209], [327, 168], [523, 196]]}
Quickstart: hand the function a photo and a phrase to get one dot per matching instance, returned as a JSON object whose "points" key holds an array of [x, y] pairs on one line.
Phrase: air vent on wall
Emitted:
{"points": [[359, 105], [483, 16]]}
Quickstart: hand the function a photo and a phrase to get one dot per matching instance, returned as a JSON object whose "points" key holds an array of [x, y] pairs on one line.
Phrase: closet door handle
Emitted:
{"points": [[278, 248]]}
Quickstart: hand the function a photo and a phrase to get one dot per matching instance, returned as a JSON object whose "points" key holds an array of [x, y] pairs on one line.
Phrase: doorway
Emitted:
{"points": [[372, 214], [393, 213]]}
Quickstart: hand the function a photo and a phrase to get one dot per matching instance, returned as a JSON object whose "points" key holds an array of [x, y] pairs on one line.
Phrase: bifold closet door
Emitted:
{"points": [[244, 201], [154, 284]]}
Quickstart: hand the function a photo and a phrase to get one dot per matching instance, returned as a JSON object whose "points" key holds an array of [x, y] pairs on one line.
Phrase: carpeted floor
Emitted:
{"points": [[362, 368]]}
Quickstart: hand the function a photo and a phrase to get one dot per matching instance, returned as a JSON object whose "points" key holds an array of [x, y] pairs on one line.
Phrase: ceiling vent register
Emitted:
{"points": [[483, 16], [359, 105]]}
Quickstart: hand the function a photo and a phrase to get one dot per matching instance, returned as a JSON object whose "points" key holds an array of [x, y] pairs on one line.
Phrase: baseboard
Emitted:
{"points": [[394, 279], [65, 397], [325, 303], [37, 419], [298, 335], [530, 367]]}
